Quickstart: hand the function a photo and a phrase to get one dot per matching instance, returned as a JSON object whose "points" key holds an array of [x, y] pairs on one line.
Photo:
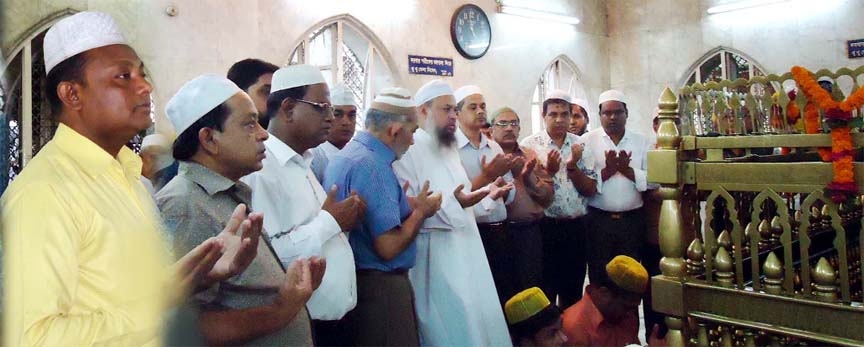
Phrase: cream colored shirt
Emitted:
{"points": [[290, 197], [84, 256]]}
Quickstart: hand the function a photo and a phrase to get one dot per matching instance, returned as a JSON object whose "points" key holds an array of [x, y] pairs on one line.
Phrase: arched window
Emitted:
{"points": [[347, 51], [723, 64], [560, 74], [26, 124]]}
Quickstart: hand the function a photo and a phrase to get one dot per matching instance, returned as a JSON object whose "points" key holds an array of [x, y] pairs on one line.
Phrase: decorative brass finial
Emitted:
{"points": [[723, 264], [773, 270], [695, 258], [824, 281], [725, 240], [765, 229]]}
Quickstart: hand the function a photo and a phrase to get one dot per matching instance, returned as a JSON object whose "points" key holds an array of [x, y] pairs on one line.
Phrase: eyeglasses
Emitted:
{"points": [[321, 107], [504, 124]]}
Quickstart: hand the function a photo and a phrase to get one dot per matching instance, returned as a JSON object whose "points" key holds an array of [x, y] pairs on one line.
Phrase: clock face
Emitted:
{"points": [[470, 31]]}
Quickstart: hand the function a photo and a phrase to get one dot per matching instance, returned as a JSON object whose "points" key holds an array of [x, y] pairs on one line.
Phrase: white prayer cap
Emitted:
{"points": [[78, 33], [789, 88], [340, 95], [825, 79], [154, 140], [559, 94], [197, 97], [293, 76], [612, 95], [431, 90], [582, 103], [395, 101], [466, 91]]}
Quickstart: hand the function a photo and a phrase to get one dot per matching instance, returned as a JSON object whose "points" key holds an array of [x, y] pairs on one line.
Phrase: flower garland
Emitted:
{"points": [[837, 116]]}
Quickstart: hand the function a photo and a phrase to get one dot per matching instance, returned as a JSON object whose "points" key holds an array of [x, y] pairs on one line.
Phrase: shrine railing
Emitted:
{"points": [[755, 251]]}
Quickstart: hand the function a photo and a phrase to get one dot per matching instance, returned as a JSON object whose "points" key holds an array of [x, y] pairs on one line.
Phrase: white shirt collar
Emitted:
{"points": [[462, 140], [284, 153]]}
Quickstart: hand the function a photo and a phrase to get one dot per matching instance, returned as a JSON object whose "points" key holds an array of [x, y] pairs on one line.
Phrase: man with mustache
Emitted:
{"points": [[84, 258], [485, 162], [304, 220], [452, 282], [534, 192], [383, 242], [563, 227], [344, 124], [619, 157], [220, 141]]}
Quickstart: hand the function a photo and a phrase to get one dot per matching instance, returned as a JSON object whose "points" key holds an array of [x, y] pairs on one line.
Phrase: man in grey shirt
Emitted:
{"points": [[220, 141]]}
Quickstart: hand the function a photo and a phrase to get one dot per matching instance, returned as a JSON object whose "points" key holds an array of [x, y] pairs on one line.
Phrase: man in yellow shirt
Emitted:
{"points": [[85, 262]]}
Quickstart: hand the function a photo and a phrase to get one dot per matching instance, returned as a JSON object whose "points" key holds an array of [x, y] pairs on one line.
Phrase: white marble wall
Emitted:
{"points": [[208, 36], [652, 43]]}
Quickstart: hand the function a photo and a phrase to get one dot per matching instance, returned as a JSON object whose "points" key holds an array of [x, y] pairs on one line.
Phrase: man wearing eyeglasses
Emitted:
{"points": [[344, 124], [619, 157], [534, 192], [563, 231], [306, 221], [485, 163]]}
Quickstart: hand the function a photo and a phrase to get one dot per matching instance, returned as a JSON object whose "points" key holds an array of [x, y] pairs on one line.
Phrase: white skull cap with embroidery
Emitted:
{"points": [[825, 79], [431, 90], [293, 76], [559, 94], [466, 91], [612, 95], [340, 95], [197, 97], [582, 103], [78, 33], [155, 140], [394, 100]]}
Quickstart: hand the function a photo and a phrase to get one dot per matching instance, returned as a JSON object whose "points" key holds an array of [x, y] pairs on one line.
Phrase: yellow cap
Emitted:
{"points": [[628, 274], [525, 305]]}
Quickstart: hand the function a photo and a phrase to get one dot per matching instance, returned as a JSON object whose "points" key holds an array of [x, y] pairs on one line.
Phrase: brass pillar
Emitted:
{"points": [[664, 169]]}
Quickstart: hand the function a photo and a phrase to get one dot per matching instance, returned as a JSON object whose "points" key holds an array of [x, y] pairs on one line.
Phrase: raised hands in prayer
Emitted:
{"points": [[223, 256], [347, 212], [618, 162], [427, 202]]}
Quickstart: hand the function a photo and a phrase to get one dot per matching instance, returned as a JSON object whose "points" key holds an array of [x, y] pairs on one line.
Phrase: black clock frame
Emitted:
{"points": [[453, 31]]}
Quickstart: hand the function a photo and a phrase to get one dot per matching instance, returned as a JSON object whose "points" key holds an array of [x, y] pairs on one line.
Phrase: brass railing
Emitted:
{"points": [[774, 261]]}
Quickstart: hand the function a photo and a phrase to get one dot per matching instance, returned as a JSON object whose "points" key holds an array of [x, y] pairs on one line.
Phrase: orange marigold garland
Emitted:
{"points": [[837, 116]]}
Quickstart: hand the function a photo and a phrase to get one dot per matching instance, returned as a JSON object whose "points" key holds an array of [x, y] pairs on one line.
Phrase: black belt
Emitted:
{"points": [[373, 272], [497, 226], [520, 224], [614, 215]]}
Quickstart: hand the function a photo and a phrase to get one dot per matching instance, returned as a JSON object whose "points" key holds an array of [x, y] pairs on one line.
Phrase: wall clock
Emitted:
{"points": [[470, 31]]}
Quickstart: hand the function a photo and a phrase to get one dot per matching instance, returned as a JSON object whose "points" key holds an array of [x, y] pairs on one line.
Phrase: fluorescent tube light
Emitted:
{"points": [[740, 5], [528, 13]]}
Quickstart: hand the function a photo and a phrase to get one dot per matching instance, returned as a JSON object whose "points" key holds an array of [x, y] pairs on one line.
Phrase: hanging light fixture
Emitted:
{"points": [[740, 5], [535, 14]]}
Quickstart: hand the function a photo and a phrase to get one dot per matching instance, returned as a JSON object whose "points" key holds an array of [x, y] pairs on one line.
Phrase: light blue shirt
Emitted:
{"points": [[365, 166]]}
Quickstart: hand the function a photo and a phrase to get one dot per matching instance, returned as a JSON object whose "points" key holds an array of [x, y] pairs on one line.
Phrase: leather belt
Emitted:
{"points": [[613, 215], [497, 226]]}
